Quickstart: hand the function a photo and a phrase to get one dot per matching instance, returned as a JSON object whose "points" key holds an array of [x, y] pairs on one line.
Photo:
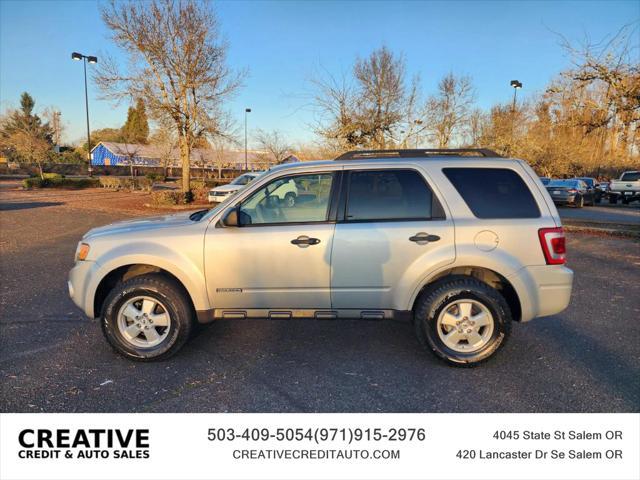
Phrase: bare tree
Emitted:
{"points": [[334, 102], [448, 112], [177, 64], [130, 150], [372, 108], [274, 145], [52, 116], [165, 140]]}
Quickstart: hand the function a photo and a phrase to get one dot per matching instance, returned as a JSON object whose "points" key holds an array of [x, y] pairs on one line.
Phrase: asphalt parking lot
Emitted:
{"points": [[52, 359], [604, 213]]}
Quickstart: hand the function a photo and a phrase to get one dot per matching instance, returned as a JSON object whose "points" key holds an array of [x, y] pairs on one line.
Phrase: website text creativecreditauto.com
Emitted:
{"points": [[315, 454]]}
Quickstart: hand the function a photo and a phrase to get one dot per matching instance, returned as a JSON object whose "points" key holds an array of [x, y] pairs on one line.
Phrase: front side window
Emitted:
{"points": [[290, 199], [494, 192], [388, 195]]}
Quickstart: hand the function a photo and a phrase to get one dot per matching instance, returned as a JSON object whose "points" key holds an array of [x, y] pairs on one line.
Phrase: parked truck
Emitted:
{"points": [[627, 187]]}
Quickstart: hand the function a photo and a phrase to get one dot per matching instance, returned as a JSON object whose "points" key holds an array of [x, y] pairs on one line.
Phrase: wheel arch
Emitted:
{"points": [[486, 275], [125, 272]]}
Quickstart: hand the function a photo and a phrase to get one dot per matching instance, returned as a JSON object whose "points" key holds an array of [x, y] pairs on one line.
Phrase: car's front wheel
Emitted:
{"points": [[290, 200], [462, 320], [147, 317]]}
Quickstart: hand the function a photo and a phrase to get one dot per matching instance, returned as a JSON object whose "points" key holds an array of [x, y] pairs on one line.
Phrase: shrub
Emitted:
{"points": [[52, 176], [166, 197], [155, 177], [128, 183], [200, 190], [60, 182]]}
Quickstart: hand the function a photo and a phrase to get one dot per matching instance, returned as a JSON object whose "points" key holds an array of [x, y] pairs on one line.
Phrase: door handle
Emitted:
{"points": [[423, 238], [304, 241]]}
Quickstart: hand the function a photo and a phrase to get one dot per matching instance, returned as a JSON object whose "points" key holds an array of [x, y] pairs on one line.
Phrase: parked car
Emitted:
{"points": [[218, 194], [460, 245], [545, 180], [627, 187], [571, 192], [594, 186]]}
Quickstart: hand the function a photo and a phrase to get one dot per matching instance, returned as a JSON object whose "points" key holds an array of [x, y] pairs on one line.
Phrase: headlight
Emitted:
{"points": [[82, 252]]}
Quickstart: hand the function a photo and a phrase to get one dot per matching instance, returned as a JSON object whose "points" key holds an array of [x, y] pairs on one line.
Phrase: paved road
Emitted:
{"points": [[620, 214], [54, 360]]}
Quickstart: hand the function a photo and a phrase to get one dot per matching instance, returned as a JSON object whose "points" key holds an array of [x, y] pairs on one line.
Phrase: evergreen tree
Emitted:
{"points": [[136, 128], [24, 120]]}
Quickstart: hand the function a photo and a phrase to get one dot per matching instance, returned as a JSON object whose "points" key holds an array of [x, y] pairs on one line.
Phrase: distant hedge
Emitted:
{"points": [[118, 183], [58, 181]]}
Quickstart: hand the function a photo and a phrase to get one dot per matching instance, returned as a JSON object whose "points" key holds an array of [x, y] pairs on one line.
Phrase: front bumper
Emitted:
{"points": [[78, 283], [217, 198]]}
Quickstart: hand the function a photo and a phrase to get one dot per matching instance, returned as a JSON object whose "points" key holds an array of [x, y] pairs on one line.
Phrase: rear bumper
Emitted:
{"points": [[543, 290], [564, 199]]}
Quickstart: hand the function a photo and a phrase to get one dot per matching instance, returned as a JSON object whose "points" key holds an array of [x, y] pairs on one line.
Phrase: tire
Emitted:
{"points": [[433, 305], [172, 329], [625, 201], [579, 202], [290, 200], [613, 200]]}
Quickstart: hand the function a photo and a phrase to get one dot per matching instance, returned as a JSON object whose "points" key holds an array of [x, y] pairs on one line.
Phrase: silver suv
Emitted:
{"points": [[460, 242]]}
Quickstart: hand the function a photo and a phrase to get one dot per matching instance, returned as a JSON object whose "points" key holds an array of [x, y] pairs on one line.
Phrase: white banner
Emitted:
{"points": [[315, 446]]}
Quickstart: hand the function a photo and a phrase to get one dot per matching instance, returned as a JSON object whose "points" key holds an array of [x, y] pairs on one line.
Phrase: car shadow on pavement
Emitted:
{"points": [[25, 206]]}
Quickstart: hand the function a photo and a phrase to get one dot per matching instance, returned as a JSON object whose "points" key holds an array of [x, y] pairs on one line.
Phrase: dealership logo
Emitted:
{"points": [[92, 443]]}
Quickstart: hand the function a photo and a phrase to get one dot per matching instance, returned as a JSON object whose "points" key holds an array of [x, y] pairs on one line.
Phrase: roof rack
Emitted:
{"points": [[417, 153]]}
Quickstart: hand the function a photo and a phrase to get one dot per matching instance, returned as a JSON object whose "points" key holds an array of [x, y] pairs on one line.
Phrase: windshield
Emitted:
{"points": [[630, 177], [563, 183], [243, 179], [588, 181]]}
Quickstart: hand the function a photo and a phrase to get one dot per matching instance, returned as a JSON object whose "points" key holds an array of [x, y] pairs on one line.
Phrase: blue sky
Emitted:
{"points": [[283, 43]]}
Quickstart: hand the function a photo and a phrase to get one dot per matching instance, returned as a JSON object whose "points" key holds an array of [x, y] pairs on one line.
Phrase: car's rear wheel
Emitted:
{"points": [[613, 199], [147, 317], [579, 202], [462, 320]]}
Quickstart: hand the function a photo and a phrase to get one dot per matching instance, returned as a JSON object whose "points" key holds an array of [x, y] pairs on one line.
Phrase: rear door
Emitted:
{"points": [[391, 231]]}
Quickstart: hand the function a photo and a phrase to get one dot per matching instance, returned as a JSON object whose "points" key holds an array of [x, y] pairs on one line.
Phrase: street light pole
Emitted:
{"points": [[516, 84], [91, 59], [246, 162], [417, 122]]}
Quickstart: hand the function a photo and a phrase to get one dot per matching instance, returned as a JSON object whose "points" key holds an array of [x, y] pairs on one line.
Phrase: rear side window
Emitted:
{"points": [[493, 192], [389, 195]]}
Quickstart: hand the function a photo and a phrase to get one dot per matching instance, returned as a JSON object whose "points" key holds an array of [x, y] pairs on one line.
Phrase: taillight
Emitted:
{"points": [[572, 190], [553, 245]]}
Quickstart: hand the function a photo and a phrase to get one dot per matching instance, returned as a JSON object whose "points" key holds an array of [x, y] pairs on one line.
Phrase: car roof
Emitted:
{"points": [[387, 160]]}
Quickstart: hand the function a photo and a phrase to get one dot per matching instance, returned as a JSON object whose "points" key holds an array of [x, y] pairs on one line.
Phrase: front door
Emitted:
{"points": [[392, 233], [279, 256]]}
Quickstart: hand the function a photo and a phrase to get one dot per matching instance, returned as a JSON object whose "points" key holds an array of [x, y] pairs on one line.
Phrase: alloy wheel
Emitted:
{"points": [[143, 322], [465, 325]]}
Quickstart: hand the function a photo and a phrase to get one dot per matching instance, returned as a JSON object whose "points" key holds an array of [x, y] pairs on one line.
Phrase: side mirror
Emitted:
{"points": [[230, 218]]}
